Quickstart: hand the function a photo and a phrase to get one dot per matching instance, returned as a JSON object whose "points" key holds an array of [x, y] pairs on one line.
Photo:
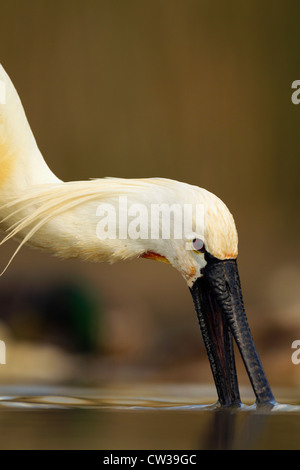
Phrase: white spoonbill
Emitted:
{"points": [[60, 217]]}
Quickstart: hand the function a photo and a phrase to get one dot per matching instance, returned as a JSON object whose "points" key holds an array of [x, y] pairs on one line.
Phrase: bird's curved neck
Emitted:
{"points": [[21, 163]]}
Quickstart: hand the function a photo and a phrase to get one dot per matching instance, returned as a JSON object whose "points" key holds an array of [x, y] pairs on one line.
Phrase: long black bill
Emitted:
{"points": [[219, 305]]}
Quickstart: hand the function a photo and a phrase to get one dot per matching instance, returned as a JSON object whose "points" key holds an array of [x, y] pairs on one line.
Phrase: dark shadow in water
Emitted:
{"points": [[231, 430], [221, 432]]}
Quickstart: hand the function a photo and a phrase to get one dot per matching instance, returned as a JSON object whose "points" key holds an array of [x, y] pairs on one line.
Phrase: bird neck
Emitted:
{"points": [[21, 163]]}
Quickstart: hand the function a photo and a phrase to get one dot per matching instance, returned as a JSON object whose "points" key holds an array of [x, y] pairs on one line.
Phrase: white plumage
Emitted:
{"points": [[60, 217]]}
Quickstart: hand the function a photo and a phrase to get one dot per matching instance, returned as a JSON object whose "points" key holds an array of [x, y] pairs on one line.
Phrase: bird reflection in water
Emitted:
{"points": [[230, 429]]}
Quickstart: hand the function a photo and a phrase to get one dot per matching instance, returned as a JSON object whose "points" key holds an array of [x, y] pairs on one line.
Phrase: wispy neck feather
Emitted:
{"points": [[61, 218]]}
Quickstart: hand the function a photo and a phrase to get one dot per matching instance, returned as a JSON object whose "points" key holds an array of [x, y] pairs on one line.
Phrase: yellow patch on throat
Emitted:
{"points": [[155, 257]]}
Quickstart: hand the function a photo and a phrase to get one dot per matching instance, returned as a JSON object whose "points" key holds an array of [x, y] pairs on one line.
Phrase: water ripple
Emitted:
{"points": [[162, 398]]}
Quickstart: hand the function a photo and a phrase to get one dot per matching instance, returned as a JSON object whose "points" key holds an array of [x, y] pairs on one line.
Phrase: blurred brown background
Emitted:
{"points": [[192, 90]]}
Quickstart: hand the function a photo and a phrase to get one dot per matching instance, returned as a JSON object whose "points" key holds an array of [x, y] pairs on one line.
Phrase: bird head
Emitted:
{"points": [[206, 258], [202, 228]]}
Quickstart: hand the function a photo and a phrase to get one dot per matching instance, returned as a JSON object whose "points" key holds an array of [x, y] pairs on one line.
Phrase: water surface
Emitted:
{"points": [[141, 417]]}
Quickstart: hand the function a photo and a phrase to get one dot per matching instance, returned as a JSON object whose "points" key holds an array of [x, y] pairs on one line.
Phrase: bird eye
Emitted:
{"points": [[198, 245]]}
